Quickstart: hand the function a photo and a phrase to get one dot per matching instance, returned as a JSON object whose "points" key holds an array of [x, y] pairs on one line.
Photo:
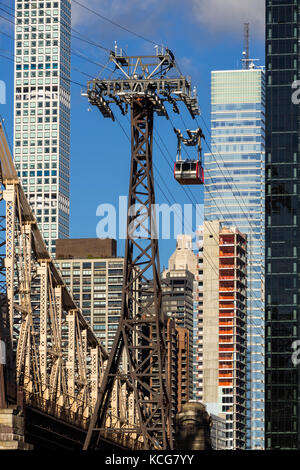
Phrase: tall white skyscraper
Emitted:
{"points": [[235, 194], [42, 111]]}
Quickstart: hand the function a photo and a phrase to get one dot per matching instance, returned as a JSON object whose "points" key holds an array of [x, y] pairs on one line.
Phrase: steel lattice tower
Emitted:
{"points": [[145, 84]]}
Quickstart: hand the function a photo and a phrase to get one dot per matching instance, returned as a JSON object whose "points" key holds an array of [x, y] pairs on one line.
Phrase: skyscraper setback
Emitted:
{"points": [[234, 194], [42, 111], [282, 224]]}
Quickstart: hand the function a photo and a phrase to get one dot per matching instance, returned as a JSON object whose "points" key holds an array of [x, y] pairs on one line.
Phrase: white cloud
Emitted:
{"points": [[110, 8], [144, 18], [151, 17], [228, 16], [125, 12]]}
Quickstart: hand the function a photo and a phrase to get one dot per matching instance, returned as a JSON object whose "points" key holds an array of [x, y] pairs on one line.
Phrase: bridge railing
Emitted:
{"points": [[114, 432], [123, 439], [56, 410]]}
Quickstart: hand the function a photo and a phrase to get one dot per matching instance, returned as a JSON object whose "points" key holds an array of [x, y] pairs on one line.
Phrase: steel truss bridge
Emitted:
{"points": [[54, 362], [74, 394]]}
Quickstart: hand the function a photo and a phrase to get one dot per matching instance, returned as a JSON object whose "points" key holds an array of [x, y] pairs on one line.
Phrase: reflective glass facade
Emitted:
{"points": [[42, 111], [282, 224], [235, 194]]}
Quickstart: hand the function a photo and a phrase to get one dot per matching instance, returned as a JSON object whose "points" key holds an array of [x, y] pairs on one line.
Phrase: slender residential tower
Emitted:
{"points": [[282, 224], [222, 329], [42, 111], [235, 194]]}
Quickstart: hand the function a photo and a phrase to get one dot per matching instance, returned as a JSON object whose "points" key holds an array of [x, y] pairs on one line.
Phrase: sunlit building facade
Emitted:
{"points": [[235, 194], [222, 329], [94, 276]]}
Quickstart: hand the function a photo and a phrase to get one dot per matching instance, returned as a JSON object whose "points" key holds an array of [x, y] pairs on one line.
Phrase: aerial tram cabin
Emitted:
{"points": [[189, 172]]}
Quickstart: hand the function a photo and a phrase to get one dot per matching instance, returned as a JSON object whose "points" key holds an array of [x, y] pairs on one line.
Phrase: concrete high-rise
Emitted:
{"points": [[235, 195], [94, 275], [223, 328], [178, 300], [198, 321], [42, 111], [282, 415]]}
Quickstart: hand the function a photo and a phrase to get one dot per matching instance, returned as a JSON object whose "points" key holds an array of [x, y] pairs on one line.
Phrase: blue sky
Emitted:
{"points": [[204, 35]]}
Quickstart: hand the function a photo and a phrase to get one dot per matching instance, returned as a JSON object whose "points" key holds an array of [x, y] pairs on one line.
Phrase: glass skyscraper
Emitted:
{"points": [[282, 224], [235, 194], [42, 111]]}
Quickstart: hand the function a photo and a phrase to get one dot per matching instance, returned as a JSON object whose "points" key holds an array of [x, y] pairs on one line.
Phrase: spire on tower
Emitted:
{"points": [[246, 60]]}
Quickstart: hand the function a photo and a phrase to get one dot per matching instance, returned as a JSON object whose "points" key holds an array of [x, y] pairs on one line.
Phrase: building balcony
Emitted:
{"points": [[228, 340], [228, 305], [226, 314], [227, 284], [225, 357], [229, 277], [226, 289], [229, 266], [226, 366], [225, 375], [227, 241], [227, 298], [233, 277], [226, 323], [225, 348], [226, 253], [225, 383], [225, 332]]}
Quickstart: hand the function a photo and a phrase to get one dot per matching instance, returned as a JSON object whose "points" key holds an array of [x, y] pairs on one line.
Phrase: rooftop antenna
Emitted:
{"points": [[248, 64], [246, 60]]}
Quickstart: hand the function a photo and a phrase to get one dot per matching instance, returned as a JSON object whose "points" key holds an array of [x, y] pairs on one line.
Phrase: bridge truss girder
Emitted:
{"points": [[58, 359]]}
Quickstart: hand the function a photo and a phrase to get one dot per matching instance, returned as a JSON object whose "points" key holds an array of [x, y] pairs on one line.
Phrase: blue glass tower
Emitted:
{"points": [[235, 194]]}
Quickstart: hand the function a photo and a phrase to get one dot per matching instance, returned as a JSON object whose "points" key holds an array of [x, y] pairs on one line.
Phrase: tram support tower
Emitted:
{"points": [[142, 84]]}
